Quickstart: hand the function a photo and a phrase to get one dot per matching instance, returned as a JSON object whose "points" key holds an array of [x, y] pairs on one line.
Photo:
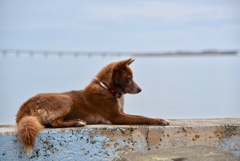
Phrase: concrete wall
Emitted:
{"points": [[105, 142]]}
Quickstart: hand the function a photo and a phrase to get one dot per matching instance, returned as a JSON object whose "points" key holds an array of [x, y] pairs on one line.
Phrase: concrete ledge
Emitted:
{"points": [[193, 153], [106, 142]]}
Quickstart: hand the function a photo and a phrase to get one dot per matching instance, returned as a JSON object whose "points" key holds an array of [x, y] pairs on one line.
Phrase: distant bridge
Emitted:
{"points": [[46, 53]]}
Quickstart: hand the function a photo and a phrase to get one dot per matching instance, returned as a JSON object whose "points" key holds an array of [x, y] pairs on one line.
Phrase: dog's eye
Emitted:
{"points": [[128, 79]]}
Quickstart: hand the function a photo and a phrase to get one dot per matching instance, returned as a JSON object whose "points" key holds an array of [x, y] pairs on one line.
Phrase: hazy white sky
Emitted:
{"points": [[137, 25], [176, 87]]}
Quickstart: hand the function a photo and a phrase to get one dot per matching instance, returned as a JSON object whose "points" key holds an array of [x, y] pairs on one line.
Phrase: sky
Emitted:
{"points": [[137, 25], [173, 87]]}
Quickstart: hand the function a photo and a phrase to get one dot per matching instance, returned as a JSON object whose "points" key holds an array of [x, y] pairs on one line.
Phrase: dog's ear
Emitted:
{"points": [[123, 64], [130, 61], [126, 62]]}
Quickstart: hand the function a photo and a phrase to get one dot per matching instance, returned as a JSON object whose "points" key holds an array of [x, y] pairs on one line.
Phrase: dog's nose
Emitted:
{"points": [[139, 90]]}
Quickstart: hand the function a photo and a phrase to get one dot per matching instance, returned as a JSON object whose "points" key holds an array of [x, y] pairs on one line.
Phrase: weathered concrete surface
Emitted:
{"points": [[105, 142], [195, 153]]}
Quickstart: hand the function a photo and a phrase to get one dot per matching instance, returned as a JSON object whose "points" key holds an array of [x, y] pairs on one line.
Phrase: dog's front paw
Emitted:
{"points": [[163, 122], [80, 123]]}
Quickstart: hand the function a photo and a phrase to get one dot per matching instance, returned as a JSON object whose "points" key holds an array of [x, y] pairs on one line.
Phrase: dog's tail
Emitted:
{"points": [[28, 128]]}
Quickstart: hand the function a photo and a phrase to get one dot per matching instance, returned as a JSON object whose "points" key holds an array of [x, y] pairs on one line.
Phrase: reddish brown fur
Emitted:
{"points": [[28, 128], [27, 134], [93, 105]]}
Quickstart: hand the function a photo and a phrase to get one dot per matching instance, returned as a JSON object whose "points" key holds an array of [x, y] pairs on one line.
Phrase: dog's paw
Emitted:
{"points": [[165, 122], [80, 123]]}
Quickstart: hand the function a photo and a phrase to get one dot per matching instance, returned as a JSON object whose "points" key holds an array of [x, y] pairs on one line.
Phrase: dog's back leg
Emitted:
{"points": [[51, 110], [70, 123]]}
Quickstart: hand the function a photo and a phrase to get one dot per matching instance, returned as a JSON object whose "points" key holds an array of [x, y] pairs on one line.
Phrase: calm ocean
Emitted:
{"points": [[176, 87]]}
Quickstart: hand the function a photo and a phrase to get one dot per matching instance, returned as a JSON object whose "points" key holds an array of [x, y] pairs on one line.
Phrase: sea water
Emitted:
{"points": [[176, 87]]}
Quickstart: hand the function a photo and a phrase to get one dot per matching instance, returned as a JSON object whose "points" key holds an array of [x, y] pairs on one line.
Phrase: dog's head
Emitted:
{"points": [[122, 77], [119, 76]]}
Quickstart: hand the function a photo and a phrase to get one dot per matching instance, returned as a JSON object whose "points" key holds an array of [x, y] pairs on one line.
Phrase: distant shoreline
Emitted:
{"points": [[17, 52]]}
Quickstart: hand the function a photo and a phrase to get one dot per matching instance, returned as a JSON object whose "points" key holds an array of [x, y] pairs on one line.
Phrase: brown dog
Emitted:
{"points": [[101, 102]]}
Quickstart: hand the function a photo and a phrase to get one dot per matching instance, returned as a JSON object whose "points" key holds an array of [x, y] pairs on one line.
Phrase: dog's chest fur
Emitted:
{"points": [[121, 103], [96, 118]]}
